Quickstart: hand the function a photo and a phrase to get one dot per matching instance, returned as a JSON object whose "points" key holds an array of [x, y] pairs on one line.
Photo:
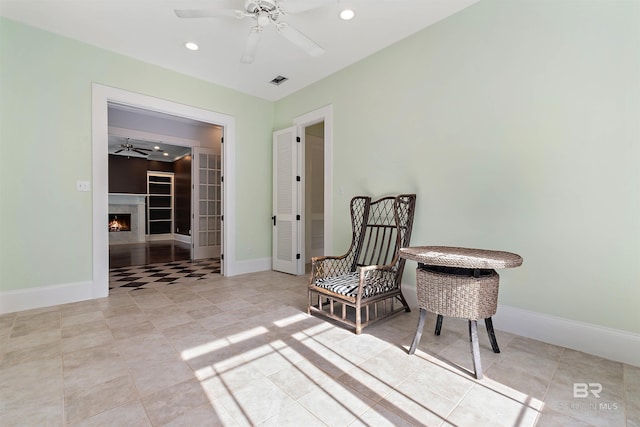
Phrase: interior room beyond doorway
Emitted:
{"points": [[151, 180]]}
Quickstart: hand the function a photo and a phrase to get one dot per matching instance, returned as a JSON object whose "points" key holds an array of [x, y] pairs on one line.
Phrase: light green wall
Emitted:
{"points": [[518, 126], [45, 146], [516, 123]]}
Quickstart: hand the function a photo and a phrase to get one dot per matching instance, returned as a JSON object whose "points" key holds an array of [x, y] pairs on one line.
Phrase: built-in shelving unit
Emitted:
{"points": [[159, 202]]}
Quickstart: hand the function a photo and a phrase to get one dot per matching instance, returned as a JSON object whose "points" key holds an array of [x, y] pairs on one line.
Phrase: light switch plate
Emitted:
{"points": [[83, 186]]}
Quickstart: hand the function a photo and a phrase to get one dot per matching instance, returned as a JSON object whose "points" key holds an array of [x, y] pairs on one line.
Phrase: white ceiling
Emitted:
{"points": [[158, 136], [150, 31]]}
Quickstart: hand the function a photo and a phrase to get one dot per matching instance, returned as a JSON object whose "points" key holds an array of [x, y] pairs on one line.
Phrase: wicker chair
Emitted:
{"points": [[363, 285]]}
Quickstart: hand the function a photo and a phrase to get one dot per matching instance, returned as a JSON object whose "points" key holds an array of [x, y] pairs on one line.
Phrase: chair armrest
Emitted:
{"points": [[366, 268], [376, 279], [323, 267]]}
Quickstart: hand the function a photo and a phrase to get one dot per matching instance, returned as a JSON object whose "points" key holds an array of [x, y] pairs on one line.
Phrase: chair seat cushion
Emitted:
{"points": [[347, 285]]}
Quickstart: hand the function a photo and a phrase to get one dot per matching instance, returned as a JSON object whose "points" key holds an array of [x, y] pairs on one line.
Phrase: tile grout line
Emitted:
{"points": [[546, 392], [131, 378], [64, 391]]}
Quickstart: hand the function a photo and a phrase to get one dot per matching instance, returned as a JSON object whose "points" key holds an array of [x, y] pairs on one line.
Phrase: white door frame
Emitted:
{"points": [[101, 96], [324, 114]]}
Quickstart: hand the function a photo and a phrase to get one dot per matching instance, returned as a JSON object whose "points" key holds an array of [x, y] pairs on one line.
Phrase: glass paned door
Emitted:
{"points": [[207, 189]]}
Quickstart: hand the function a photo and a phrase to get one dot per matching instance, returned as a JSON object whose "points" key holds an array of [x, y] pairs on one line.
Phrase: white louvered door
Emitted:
{"points": [[286, 226]]}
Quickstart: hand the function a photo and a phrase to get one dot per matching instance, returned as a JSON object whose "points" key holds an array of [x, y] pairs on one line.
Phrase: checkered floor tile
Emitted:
{"points": [[141, 276]]}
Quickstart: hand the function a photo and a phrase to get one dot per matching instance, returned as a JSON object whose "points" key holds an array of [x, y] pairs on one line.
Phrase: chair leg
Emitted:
{"points": [[492, 336], [407, 309], [439, 324], [475, 348], [416, 339], [358, 320]]}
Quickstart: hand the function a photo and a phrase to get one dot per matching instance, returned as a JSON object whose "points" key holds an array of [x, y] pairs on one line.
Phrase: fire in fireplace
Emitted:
{"points": [[119, 222]]}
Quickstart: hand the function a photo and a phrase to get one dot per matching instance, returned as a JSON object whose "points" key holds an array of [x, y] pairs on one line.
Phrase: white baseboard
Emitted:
{"points": [[249, 266], [156, 237], [182, 238], [27, 299], [609, 343], [45, 296]]}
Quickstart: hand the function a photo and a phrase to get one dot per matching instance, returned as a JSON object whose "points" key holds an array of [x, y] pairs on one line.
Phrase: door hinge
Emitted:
{"points": [[222, 140], [221, 256], [221, 217], [221, 178], [298, 217], [298, 178], [297, 139], [297, 256]]}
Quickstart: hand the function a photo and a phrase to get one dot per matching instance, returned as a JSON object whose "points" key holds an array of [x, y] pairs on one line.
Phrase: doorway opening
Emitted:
{"points": [[302, 217], [317, 207], [313, 192], [102, 97]]}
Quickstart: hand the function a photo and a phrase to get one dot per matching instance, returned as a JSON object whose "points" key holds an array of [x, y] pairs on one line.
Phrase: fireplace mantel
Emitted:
{"points": [[126, 199]]}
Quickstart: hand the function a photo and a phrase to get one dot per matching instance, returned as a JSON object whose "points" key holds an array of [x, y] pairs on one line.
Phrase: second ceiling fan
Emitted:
{"points": [[129, 147], [265, 13]]}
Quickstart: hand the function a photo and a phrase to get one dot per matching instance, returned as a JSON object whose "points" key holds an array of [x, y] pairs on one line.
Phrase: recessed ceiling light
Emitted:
{"points": [[191, 46], [347, 14], [156, 148], [165, 154]]}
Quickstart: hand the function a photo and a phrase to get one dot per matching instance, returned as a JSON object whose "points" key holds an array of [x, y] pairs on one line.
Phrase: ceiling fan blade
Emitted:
{"points": [[208, 13], [255, 35], [144, 149], [116, 152], [300, 40], [140, 152]]}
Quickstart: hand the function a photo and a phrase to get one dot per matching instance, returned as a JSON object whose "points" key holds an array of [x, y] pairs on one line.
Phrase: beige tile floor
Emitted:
{"points": [[241, 351]]}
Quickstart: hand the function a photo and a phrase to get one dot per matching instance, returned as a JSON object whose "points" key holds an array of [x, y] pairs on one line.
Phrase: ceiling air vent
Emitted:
{"points": [[278, 80]]}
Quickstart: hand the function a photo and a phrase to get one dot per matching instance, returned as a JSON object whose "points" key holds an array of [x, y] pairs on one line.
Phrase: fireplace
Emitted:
{"points": [[119, 222], [128, 208]]}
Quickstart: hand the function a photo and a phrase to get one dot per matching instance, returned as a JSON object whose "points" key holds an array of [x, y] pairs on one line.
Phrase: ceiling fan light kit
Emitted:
{"points": [[251, 45], [265, 13]]}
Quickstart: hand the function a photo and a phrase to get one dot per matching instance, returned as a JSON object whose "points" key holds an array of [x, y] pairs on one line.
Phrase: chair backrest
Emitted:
{"points": [[386, 227], [360, 207]]}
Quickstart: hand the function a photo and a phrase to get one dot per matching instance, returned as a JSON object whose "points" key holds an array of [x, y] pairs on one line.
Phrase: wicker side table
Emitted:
{"points": [[462, 283]]}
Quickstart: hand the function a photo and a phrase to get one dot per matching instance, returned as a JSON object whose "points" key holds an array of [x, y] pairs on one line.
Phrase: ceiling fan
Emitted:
{"points": [[265, 13], [127, 146]]}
